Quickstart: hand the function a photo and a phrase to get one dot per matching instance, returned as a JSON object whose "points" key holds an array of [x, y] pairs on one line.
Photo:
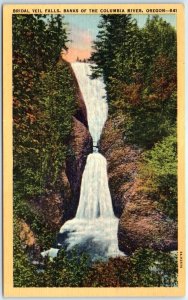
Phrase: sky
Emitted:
{"points": [[83, 31]]}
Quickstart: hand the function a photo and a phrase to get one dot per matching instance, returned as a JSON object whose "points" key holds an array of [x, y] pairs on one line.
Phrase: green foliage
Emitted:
{"points": [[116, 48], [44, 235], [43, 106], [24, 272], [37, 42], [66, 270], [139, 69], [145, 268], [140, 72], [44, 102], [152, 268], [159, 174]]}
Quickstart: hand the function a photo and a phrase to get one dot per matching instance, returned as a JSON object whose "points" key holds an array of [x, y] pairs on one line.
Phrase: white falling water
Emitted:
{"points": [[95, 199], [94, 95], [94, 228]]}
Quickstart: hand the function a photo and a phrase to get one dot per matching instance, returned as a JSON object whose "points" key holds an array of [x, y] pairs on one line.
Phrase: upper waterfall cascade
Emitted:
{"points": [[94, 228], [94, 95]]}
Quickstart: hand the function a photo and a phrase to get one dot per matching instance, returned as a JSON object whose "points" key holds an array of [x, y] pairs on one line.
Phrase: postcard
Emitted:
{"points": [[93, 129]]}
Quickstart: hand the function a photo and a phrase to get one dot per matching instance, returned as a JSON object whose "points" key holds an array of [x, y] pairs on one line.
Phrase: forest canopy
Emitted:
{"points": [[40, 85], [43, 106]]}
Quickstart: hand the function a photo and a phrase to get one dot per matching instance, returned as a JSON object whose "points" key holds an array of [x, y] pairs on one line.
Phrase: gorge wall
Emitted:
{"points": [[141, 223]]}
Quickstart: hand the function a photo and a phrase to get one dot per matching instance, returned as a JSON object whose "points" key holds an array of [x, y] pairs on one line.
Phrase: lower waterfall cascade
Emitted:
{"points": [[94, 228]]}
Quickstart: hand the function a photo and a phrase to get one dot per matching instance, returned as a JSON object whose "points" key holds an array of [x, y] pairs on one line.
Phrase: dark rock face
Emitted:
{"points": [[121, 161], [81, 146], [81, 112], [141, 223], [53, 205]]}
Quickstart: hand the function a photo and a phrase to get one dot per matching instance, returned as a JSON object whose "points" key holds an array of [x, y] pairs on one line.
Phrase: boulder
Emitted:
{"points": [[26, 234]]}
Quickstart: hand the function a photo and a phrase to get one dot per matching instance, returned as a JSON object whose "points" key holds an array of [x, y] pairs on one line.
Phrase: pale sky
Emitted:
{"points": [[83, 31]]}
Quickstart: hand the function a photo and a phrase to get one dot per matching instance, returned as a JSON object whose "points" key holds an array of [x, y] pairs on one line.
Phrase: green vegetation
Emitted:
{"points": [[43, 106], [159, 172], [64, 270], [140, 73], [41, 123], [139, 69], [145, 268]]}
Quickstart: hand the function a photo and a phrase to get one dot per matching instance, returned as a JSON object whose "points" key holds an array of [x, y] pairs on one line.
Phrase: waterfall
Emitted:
{"points": [[95, 200], [94, 95], [94, 228]]}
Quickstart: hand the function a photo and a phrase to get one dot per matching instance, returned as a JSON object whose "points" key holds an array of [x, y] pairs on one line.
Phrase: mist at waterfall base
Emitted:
{"points": [[94, 228]]}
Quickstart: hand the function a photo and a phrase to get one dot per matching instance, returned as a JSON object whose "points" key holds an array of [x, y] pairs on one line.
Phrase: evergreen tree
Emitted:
{"points": [[43, 95], [140, 71], [43, 106]]}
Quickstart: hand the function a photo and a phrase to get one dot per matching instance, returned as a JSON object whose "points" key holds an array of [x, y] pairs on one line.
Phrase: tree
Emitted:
{"points": [[43, 106], [116, 48], [139, 69], [159, 174], [139, 66], [42, 92]]}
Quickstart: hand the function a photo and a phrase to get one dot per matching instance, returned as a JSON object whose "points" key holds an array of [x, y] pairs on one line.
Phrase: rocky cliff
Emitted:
{"points": [[81, 145], [141, 223], [121, 164]]}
